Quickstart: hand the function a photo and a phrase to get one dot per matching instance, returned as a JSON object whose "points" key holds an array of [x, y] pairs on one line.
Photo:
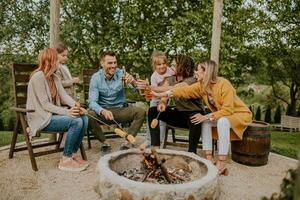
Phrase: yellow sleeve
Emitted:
{"points": [[188, 92], [227, 97]]}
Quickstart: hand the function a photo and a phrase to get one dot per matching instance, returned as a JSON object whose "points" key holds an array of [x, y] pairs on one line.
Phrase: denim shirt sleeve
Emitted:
{"points": [[94, 95]]}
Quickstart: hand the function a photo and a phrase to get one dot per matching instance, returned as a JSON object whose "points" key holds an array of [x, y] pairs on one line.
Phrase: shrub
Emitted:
{"points": [[11, 124], [277, 116], [289, 110], [1, 125], [258, 114], [268, 114], [287, 187]]}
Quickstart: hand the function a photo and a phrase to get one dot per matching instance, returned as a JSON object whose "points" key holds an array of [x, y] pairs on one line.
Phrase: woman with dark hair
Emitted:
{"points": [[180, 115]]}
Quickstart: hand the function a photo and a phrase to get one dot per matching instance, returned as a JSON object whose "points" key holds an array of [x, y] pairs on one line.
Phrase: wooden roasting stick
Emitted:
{"points": [[161, 164], [154, 122], [118, 131], [125, 135]]}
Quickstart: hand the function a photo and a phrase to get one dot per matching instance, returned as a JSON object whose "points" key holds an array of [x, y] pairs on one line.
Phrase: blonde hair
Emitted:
{"points": [[155, 56], [210, 73]]}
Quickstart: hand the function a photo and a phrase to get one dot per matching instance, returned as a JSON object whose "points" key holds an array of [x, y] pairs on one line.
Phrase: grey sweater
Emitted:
{"points": [[66, 80], [39, 99]]}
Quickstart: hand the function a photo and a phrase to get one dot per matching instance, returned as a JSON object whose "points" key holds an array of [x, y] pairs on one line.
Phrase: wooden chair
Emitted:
{"points": [[86, 75], [20, 77]]}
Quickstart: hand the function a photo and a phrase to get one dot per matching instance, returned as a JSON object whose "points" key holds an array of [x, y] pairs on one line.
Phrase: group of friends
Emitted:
{"points": [[205, 103]]}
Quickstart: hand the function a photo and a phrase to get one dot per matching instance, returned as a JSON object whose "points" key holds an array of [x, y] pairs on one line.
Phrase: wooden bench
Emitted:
{"points": [[288, 123]]}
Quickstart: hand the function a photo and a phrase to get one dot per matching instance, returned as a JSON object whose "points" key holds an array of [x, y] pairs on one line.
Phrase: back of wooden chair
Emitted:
{"points": [[86, 76], [20, 77]]}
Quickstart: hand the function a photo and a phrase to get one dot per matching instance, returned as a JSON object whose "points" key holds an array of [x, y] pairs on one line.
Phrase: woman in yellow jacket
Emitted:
{"points": [[228, 113]]}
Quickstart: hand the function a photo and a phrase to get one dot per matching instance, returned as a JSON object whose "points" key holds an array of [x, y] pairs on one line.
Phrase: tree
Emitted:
{"points": [[298, 113], [279, 51], [268, 114], [250, 108], [277, 115], [258, 114]]}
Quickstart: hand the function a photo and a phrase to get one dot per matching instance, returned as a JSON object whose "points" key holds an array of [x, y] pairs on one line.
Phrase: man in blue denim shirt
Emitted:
{"points": [[107, 100]]}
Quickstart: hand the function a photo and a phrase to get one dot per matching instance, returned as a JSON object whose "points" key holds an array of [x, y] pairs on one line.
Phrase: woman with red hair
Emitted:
{"points": [[45, 95]]}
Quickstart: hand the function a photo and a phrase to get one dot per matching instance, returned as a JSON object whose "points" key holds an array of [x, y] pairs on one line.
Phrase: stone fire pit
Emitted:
{"points": [[203, 183]]}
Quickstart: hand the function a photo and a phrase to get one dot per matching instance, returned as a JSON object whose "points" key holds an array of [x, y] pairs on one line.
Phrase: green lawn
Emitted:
{"points": [[283, 143], [5, 138]]}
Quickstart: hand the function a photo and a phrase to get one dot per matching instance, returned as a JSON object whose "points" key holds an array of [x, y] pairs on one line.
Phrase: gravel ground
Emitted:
{"points": [[19, 181]]}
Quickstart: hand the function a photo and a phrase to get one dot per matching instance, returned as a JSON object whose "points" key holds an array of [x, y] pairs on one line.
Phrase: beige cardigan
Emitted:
{"points": [[39, 99]]}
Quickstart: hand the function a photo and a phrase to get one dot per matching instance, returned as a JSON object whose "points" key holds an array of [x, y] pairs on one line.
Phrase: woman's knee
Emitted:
{"points": [[205, 125], [85, 119], [223, 122], [77, 122]]}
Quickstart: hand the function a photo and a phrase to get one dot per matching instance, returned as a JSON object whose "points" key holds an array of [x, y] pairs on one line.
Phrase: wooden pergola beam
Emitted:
{"points": [[54, 35], [54, 21], [216, 31]]}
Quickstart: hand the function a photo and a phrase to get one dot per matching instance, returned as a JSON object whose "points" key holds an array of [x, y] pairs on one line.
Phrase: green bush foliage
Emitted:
{"points": [[258, 114], [277, 116], [268, 114], [287, 187]]}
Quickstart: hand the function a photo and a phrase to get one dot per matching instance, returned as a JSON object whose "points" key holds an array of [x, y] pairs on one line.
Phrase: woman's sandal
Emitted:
{"points": [[223, 171], [210, 158]]}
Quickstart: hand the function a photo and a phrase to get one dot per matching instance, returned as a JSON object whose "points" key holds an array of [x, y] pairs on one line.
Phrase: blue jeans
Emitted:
{"points": [[75, 128]]}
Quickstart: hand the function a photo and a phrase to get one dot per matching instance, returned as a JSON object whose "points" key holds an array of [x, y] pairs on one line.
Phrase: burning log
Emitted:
{"points": [[154, 170], [160, 164]]}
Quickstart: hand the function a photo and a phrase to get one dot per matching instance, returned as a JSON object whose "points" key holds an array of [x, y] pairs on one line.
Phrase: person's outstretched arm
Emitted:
{"points": [[188, 92]]}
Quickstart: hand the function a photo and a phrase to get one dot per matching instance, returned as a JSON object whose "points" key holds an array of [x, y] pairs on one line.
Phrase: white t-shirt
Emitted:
{"points": [[157, 78]]}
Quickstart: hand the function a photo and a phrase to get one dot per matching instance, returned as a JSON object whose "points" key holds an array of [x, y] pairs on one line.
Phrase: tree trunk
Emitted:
{"points": [[216, 31], [54, 22], [54, 36], [293, 100]]}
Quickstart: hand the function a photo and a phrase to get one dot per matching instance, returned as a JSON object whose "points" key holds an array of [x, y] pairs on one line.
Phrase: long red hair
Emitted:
{"points": [[48, 64]]}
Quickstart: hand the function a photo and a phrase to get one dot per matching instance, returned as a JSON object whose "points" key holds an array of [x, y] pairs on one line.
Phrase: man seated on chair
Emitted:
{"points": [[107, 100]]}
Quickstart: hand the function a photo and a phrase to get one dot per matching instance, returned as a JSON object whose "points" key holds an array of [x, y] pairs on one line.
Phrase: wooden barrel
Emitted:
{"points": [[254, 148]]}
